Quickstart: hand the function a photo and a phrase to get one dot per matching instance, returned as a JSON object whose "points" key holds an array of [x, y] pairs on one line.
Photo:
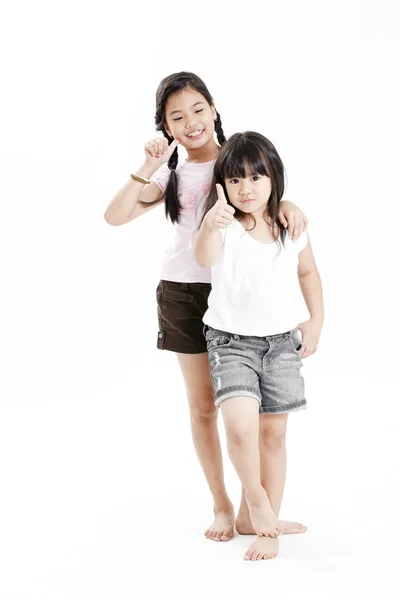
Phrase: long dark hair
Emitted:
{"points": [[171, 85], [251, 152]]}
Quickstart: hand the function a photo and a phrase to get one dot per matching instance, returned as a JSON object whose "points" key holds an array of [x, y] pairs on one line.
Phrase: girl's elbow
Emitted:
{"points": [[307, 272], [108, 218]]}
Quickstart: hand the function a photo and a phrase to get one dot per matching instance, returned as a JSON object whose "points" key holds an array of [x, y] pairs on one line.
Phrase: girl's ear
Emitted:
{"points": [[214, 112]]}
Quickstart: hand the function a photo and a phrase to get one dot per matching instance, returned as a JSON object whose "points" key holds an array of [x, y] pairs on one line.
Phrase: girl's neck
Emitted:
{"points": [[204, 154], [259, 221], [261, 230], [259, 218], [256, 221]]}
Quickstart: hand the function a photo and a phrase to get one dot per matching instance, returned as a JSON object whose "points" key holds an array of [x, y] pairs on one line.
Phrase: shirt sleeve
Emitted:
{"points": [[302, 242], [161, 176], [223, 233]]}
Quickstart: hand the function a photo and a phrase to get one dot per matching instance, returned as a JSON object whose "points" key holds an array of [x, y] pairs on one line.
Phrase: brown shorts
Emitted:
{"points": [[181, 307]]}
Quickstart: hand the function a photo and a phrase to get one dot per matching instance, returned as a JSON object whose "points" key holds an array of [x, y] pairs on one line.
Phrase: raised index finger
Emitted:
{"points": [[173, 145]]}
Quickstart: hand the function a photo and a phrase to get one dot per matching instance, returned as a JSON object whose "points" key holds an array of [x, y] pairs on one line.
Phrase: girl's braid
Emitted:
{"points": [[219, 131]]}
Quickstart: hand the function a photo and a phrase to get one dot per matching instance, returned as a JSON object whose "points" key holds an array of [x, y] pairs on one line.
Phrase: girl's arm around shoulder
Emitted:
{"points": [[292, 218]]}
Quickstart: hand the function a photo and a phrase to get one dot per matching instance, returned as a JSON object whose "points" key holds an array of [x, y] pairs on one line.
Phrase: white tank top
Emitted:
{"points": [[255, 289]]}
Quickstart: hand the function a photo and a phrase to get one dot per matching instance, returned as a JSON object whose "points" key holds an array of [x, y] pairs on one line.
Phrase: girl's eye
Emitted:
{"points": [[256, 177], [234, 181], [197, 111]]}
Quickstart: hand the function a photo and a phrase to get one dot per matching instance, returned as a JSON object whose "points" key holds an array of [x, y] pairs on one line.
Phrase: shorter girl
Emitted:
{"points": [[251, 325]]}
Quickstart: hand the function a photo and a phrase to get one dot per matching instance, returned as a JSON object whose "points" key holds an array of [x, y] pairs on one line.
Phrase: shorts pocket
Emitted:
{"points": [[219, 341], [295, 341], [176, 305]]}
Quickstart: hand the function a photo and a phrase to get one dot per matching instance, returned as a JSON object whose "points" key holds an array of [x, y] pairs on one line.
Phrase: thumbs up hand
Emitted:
{"points": [[221, 214]]}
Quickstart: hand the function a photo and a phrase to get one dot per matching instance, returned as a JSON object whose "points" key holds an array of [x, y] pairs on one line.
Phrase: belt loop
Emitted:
{"points": [[236, 337], [184, 286]]}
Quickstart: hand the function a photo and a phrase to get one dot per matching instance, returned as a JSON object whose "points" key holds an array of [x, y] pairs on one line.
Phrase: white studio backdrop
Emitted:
{"points": [[102, 496]]}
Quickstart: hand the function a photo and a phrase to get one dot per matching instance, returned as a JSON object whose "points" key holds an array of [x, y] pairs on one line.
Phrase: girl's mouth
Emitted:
{"points": [[195, 135]]}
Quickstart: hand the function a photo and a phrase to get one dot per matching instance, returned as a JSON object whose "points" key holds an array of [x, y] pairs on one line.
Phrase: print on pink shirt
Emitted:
{"points": [[190, 198]]}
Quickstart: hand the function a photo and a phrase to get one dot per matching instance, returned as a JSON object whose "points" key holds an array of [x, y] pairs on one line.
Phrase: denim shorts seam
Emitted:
{"points": [[237, 388], [282, 408]]}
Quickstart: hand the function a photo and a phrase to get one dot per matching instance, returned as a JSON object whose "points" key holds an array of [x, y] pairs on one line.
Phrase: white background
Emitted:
{"points": [[102, 496]]}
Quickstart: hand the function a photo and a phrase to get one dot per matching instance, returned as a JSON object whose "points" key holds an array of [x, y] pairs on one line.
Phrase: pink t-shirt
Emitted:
{"points": [[194, 182]]}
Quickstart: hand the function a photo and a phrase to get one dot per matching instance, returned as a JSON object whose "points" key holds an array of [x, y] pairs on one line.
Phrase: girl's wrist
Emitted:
{"points": [[146, 170], [208, 226]]}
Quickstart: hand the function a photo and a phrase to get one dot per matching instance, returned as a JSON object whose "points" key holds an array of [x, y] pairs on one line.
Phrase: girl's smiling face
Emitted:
{"points": [[190, 119], [249, 194]]}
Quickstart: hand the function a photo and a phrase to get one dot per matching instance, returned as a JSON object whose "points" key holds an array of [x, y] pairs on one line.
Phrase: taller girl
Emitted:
{"points": [[186, 115]]}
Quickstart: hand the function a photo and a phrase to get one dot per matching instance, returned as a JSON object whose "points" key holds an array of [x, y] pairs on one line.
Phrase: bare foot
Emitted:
{"points": [[221, 529], [244, 526], [263, 549], [262, 516], [291, 527]]}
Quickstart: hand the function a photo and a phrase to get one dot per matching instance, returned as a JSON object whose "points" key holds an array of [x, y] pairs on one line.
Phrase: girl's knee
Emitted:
{"points": [[238, 437], [273, 433], [201, 405], [273, 439]]}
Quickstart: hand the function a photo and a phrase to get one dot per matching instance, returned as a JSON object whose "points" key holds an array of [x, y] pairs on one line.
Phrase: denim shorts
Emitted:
{"points": [[265, 368]]}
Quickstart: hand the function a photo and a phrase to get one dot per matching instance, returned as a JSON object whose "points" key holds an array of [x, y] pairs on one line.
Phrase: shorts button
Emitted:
{"points": [[160, 335]]}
